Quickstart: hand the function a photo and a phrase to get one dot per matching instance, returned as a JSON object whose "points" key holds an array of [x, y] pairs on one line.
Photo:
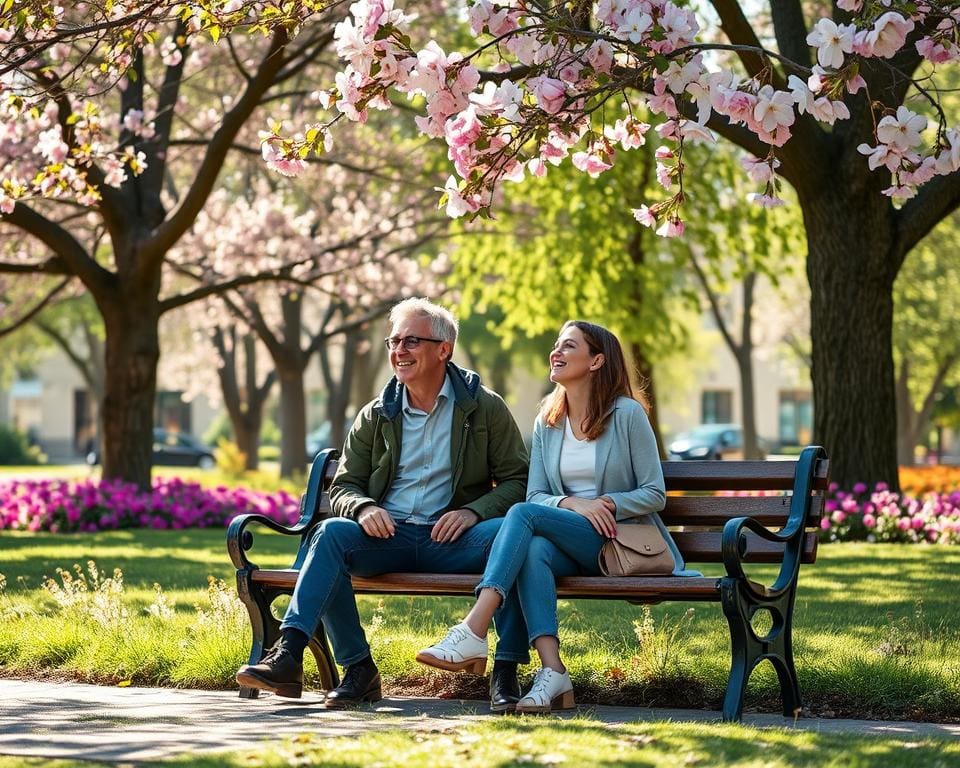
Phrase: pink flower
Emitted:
{"points": [[590, 163], [645, 216], [774, 109], [765, 201], [759, 171], [903, 130], [464, 129], [869, 521], [888, 35], [276, 161], [832, 41], [550, 93], [671, 227]]}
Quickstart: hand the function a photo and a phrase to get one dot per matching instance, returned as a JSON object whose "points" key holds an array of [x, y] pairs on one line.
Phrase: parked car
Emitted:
{"points": [[173, 449], [708, 441]]}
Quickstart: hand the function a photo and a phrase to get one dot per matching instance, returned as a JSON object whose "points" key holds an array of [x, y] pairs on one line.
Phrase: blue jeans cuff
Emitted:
{"points": [[496, 587]]}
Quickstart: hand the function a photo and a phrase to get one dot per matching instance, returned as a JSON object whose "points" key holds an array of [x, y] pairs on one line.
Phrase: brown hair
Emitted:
{"points": [[610, 381]]}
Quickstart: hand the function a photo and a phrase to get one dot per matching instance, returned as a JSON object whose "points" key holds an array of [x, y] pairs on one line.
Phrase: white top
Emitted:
{"points": [[578, 464]]}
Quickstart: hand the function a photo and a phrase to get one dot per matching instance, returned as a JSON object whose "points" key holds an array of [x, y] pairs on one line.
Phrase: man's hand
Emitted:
{"points": [[376, 522], [600, 512], [452, 524]]}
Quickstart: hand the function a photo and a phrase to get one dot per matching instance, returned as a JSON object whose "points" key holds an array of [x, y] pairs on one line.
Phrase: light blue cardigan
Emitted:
{"points": [[628, 469]]}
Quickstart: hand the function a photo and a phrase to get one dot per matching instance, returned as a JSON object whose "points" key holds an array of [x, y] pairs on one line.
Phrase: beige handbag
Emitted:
{"points": [[638, 550]]}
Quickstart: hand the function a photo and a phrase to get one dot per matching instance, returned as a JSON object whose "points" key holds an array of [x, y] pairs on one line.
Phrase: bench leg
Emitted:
{"points": [[265, 628], [326, 666], [747, 650]]}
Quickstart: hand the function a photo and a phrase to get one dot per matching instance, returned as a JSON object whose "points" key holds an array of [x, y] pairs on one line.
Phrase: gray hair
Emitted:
{"points": [[443, 325]]}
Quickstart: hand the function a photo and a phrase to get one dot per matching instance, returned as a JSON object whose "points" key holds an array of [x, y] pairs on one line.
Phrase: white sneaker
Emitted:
{"points": [[550, 690], [459, 651]]}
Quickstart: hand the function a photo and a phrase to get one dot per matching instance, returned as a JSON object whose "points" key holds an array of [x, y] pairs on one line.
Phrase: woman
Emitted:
{"points": [[593, 463]]}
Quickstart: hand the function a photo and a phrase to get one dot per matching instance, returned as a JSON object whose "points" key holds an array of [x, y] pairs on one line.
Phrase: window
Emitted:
{"points": [[716, 406], [796, 417]]}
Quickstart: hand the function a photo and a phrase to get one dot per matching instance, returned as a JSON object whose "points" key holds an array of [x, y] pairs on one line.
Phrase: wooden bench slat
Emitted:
{"points": [[771, 511], [704, 547], [456, 584], [737, 475]]}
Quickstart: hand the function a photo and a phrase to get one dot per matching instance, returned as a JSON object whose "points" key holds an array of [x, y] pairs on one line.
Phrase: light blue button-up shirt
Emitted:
{"points": [[423, 487]]}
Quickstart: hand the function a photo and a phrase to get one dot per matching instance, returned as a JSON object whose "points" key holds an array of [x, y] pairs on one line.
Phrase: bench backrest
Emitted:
{"points": [[701, 497]]}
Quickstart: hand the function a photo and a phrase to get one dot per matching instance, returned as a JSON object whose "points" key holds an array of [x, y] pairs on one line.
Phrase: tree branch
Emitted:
{"points": [[64, 244], [182, 218], [935, 200], [41, 305]]}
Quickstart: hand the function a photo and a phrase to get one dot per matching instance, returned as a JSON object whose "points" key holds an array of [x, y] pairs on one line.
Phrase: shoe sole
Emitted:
{"points": [[503, 708], [253, 680], [370, 697], [473, 666], [563, 701]]}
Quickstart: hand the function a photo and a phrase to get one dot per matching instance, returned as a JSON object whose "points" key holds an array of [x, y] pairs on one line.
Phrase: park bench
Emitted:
{"points": [[729, 528]]}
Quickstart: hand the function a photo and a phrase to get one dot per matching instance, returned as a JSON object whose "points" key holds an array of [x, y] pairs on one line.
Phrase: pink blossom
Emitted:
{"points": [[937, 52], [774, 109], [759, 171], [600, 56], [645, 216], [464, 129], [457, 203], [550, 93], [590, 163], [276, 159], [888, 35], [902, 131], [765, 201], [832, 41], [672, 227]]}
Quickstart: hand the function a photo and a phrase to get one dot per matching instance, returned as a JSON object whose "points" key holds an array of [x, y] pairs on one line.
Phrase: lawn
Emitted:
{"points": [[877, 630], [507, 742]]}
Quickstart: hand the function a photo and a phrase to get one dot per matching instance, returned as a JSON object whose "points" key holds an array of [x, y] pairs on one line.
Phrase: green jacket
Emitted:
{"points": [[488, 457]]}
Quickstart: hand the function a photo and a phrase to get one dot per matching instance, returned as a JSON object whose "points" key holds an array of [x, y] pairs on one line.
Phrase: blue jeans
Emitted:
{"points": [[339, 548], [536, 544]]}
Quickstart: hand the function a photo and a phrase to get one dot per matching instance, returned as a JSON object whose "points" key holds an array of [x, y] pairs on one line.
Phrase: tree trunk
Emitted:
{"points": [[744, 356], [851, 270], [339, 388], [132, 351], [244, 407], [905, 417], [643, 369], [293, 421]]}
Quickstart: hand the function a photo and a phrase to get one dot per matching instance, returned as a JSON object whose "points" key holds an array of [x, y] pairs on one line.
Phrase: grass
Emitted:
{"points": [[877, 630], [503, 742]]}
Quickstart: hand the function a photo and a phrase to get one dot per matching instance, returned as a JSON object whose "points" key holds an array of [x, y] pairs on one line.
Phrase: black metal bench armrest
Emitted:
{"points": [[734, 541], [240, 540]]}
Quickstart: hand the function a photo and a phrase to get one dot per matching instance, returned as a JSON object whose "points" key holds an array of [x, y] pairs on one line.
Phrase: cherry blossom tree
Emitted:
{"points": [[839, 99], [131, 126], [340, 254]]}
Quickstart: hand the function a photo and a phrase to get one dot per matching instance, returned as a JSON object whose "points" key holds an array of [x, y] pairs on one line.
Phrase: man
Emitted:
{"points": [[428, 470]]}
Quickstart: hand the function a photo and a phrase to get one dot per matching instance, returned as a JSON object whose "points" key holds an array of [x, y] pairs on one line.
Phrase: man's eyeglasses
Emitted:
{"points": [[408, 342]]}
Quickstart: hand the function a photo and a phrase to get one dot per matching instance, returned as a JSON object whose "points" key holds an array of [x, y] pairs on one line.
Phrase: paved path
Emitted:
{"points": [[90, 722]]}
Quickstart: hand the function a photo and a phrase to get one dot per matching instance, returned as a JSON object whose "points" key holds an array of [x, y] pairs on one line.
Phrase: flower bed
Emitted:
{"points": [[916, 481], [881, 515], [94, 505]]}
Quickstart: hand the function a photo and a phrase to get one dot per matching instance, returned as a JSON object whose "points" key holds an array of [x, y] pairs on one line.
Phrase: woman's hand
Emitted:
{"points": [[600, 512]]}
